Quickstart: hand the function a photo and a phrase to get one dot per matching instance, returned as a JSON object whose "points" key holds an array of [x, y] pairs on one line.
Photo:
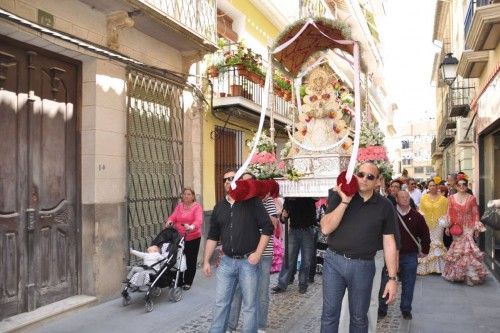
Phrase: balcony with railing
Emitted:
{"points": [[480, 18], [237, 75], [460, 96], [187, 25], [436, 151], [448, 125]]}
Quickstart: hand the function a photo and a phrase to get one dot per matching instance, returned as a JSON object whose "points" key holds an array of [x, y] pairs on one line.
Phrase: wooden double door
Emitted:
{"points": [[38, 178]]}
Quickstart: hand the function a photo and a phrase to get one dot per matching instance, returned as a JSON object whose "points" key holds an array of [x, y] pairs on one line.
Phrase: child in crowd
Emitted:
{"points": [[150, 258]]}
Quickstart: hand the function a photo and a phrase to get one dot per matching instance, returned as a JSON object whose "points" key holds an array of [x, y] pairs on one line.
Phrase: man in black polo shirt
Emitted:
{"points": [[237, 226], [358, 227]]}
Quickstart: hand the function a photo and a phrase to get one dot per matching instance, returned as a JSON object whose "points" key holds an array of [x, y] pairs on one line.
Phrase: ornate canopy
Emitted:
{"points": [[319, 35]]}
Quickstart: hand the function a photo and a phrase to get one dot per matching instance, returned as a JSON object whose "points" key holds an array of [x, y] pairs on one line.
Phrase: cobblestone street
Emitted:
{"points": [[438, 306], [293, 312]]}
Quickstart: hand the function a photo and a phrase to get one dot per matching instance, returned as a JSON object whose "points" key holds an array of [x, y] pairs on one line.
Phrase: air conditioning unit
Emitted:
{"points": [[462, 136]]}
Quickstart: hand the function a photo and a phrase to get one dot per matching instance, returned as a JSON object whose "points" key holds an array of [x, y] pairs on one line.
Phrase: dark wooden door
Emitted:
{"points": [[228, 151], [38, 246]]}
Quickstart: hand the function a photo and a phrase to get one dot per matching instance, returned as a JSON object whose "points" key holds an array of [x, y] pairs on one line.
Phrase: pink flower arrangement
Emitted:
{"points": [[372, 153], [282, 165], [263, 158]]}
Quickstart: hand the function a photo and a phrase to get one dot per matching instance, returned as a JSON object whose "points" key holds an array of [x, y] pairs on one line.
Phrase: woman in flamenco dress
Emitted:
{"points": [[464, 260], [433, 206]]}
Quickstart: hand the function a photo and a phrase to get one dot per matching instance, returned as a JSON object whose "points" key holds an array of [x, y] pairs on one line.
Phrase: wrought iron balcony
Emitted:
{"points": [[187, 25], [435, 149], [460, 96], [448, 125], [199, 16], [235, 86], [237, 74]]}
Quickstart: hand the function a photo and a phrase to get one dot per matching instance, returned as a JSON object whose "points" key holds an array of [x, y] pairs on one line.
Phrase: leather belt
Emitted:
{"points": [[236, 256], [351, 256]]}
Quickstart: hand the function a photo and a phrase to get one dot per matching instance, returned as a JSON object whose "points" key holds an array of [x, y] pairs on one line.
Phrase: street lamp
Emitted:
{"points": [[449, 68]]}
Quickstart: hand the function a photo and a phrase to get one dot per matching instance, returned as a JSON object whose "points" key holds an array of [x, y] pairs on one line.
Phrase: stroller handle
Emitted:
{"points": [[171, 225], [186, 228]]}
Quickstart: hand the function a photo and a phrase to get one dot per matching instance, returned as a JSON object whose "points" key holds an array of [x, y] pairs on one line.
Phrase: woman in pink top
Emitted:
{"points": [[188, 216]]}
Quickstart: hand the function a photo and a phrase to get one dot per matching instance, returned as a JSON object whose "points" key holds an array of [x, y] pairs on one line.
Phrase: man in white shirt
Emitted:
{"points": [[415, 193]]}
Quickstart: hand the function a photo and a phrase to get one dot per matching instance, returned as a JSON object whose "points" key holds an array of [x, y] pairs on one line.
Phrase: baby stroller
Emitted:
{"points": [[167, 276]]}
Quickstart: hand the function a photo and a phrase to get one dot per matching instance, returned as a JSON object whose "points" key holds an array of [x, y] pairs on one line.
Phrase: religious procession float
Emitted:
{"points": [[325, 138]]}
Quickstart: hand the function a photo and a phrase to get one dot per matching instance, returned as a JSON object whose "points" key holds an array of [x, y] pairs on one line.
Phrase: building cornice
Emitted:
{"points": [[442, 8], [472, 63], [483, 23]]}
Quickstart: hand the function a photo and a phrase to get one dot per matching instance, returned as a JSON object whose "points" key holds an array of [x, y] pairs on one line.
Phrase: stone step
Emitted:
{"points": [[31, 319]]}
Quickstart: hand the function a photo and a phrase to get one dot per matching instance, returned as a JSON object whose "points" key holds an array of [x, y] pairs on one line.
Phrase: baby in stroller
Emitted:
{"points": [[163, 261], [139, 276]]}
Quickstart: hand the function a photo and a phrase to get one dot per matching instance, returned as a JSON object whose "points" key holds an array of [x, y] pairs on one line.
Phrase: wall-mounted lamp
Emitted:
{"points": [[449, 68]]}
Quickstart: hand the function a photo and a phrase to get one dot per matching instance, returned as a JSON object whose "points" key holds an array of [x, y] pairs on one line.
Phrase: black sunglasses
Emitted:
{"points": [[230, 179], [368, 176], [462, 184]]}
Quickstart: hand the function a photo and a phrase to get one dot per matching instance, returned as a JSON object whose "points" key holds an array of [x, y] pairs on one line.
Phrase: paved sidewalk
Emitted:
{"points": [[439, 306]]}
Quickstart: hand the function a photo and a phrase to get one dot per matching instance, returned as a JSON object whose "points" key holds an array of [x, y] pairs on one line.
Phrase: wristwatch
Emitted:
{"points": [[395, 278]]}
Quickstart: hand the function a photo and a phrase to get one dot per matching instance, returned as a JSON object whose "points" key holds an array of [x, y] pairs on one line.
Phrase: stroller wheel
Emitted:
{"points": [[175, 294], [126, 300], [149, 305], [156, 291]]}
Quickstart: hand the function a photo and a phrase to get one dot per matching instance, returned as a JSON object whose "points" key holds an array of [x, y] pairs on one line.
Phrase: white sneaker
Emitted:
{"points": [[261, 331]]}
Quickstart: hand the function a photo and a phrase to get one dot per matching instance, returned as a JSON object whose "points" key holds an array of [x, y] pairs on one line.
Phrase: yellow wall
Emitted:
{"points": [[256, 24], [209, 124]]}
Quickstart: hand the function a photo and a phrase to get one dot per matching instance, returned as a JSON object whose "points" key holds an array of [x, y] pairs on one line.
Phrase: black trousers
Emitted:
{"points": [[191, 249]]}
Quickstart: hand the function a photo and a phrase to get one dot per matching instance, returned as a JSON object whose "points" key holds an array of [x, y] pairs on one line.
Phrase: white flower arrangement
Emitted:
{"points": [[371, 135], [265, 143]]}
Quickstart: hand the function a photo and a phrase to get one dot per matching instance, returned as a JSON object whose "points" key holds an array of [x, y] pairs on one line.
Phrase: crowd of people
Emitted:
{"points": [[382, 234]]}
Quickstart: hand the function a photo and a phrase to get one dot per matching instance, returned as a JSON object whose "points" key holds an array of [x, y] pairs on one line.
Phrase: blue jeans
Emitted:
{"points": [[356, 275], [303, 240], [263, 301], [230, 273], [408, 273]]}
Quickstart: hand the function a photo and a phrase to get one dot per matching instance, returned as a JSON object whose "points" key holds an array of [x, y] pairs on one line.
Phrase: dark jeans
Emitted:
{"points": [[355, 275], [314, 259], [191, 251], [299, 239], [408, 275]]}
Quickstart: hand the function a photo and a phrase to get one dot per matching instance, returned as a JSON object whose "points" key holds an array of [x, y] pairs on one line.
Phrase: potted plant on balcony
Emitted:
{"points": [[253, 64], [282, 86]]}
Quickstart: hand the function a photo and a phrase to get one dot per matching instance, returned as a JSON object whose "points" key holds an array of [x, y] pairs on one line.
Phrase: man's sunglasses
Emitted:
{"points": [[228, 179], [368, 176]]}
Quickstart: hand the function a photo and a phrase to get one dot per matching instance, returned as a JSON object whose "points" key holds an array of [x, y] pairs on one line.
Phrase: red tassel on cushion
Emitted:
{"points": [[246, 189], [269, 186], [348, 189]]}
